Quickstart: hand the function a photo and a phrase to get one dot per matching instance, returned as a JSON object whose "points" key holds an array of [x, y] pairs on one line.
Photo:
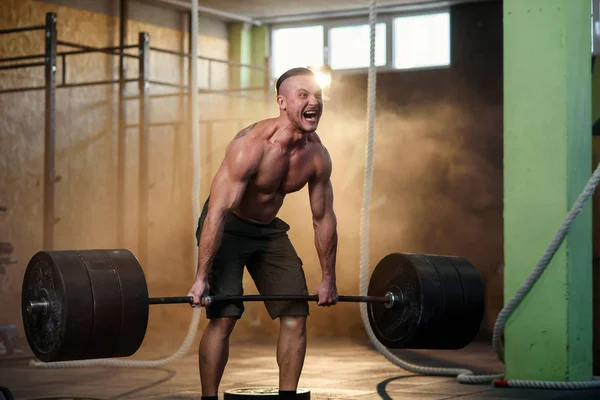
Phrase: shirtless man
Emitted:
{"points": [[239, 227]]}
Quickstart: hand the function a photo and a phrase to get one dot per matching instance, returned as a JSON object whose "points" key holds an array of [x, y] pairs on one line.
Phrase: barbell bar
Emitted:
{"points": [[86, 304], [391, 299]]}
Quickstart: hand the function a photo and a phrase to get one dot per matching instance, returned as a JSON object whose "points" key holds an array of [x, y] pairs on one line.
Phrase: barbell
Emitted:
{"points": [[91, 304]]}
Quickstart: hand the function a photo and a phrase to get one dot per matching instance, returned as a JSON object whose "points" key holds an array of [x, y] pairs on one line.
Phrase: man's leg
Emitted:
{"points": [[214, 353], [291, 350], [277, 269], [225, 278]]}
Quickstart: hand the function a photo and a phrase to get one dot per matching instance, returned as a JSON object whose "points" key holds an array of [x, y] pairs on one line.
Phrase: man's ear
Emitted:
{"points": [[281, 102]]}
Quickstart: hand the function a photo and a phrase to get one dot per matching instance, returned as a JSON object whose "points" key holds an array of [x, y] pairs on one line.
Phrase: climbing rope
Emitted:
{"points": [[463, 375]]}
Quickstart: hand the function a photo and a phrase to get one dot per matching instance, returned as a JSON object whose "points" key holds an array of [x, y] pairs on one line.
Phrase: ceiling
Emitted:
{"points": [[261, 9]]}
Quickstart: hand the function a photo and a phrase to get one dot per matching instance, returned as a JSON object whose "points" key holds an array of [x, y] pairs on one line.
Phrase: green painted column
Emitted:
{"points": [[260, 43], [240, 50], [596, 212], [547, 162]]}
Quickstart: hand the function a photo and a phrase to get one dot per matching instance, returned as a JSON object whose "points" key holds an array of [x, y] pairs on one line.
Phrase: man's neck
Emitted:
{"points": [[288, 136]]}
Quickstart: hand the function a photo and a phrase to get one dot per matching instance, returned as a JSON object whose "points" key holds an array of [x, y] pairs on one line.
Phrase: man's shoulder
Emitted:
{"points": [[315, 140], [322, 158], [255, 130]]}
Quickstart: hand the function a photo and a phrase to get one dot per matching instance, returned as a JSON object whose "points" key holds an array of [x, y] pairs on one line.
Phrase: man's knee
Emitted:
{"points": [[295, 323], [222, 326]]}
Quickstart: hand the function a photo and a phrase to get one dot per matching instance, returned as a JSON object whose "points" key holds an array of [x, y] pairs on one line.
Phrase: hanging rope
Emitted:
{"points": [[463, 375]]}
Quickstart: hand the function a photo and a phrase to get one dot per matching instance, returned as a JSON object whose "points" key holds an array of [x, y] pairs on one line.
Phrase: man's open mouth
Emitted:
{"points": [[310, 115]]}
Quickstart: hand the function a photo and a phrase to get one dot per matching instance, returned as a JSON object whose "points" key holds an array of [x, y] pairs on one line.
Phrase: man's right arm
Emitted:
{"points": [[241, 161]]}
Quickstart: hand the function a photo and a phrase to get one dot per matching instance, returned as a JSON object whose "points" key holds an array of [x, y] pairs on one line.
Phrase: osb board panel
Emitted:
{"points": [[86, 149]]}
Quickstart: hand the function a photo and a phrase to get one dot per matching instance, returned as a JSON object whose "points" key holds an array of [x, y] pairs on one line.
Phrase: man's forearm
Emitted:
{"points": [[210, 240], [326, 239]]}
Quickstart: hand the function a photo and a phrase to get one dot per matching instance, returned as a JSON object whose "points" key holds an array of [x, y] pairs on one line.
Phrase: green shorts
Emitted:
{"points": [[271, 260]]}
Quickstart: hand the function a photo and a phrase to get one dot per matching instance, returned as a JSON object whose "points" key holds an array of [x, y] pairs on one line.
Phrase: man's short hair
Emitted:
{"points": [[292, 72]]}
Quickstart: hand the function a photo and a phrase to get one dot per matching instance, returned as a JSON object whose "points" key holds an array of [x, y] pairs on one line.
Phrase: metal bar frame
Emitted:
{"points": [[122, 121], [232, 63], [23, 29], [84, 49], [23, 58], [167, 95], [26, 65], [64, 69], [111, 53], [210, 59], [168, 84], [144, 117], [191, 77], [157, 96], [155, 124], [231, 90], [172, 52], [94, 83], [65, 86], [236, 92], [49, 131], [22, 89]]}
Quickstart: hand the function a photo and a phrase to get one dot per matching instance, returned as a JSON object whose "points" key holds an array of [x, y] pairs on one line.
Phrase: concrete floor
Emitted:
{"points": [[341, 370]]}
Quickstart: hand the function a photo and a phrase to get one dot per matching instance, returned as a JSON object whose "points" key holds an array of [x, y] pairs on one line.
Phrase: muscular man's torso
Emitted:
{"points": [[281, 171]]}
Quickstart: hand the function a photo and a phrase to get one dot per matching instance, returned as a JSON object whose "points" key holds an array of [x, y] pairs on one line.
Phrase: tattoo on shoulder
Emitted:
{"points": [[245, 131]]}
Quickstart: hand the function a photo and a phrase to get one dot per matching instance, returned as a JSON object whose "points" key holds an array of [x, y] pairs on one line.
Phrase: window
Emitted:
{"points": [[422, 41], [296, 47], [349, 46]]}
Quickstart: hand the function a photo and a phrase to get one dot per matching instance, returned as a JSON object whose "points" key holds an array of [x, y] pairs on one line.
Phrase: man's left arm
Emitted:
{"points": [[325, 226]]}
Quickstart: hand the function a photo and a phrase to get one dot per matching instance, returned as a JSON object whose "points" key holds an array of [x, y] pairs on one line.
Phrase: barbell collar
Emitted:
{"points": [[40, 306], [393, 298]]}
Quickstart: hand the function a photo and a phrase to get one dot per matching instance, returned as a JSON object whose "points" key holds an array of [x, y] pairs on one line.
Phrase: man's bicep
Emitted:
{"points": [[321, 189], [321, 197]]}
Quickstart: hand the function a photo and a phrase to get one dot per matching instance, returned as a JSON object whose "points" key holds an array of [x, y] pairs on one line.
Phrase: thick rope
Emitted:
{"points": [[463, 375], [541, 265], [364, 221], [189, 339]]}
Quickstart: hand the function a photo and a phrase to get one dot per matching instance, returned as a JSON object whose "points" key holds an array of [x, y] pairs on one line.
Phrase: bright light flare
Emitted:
{"points": [[323, 78]]}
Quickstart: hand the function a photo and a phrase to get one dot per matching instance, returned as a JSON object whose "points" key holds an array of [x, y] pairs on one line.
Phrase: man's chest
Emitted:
{"points": [[283, 172]]}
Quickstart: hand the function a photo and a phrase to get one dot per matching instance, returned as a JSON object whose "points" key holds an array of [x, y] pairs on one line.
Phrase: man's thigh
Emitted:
{"points": [[277, 270], [225, 277]]}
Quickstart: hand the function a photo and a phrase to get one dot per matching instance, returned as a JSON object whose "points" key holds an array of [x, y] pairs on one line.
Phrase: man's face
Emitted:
{"points": [[301, 98]]}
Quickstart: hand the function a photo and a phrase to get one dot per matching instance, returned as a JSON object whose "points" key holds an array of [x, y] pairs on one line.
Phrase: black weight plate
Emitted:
{"points": [[134, 292], [261, 393], [412, 275], [474, 295], [107, 301], [62, 333], [450, 333], [432, 302]]}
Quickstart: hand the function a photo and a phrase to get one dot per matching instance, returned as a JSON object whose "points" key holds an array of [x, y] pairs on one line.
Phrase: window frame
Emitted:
{"points": [[387, 19], [307, 24], [359, 22], [419, 14]]}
